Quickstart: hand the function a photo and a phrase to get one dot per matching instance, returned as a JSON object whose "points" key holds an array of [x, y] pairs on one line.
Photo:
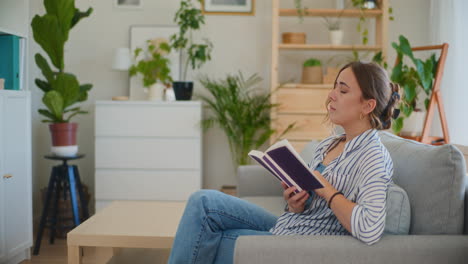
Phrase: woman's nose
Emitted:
{"points": [[332, 95]]}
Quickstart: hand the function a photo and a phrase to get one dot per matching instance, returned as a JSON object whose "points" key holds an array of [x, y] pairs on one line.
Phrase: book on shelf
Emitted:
{"points": [[9, 61], [283, 162]]}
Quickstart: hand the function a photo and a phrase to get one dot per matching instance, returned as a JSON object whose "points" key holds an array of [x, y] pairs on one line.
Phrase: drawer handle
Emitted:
{"points": [[7, 176]]}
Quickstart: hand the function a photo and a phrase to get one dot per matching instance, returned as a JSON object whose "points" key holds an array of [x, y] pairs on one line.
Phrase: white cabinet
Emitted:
{"points": [[15, 171], [147, 150]]}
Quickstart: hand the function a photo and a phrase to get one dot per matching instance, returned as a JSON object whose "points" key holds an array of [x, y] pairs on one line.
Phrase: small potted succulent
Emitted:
{"points": [[61, 89], [312, 71], [152, 63]]}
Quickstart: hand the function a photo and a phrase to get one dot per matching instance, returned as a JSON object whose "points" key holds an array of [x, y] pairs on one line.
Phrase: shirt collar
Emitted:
{"points": [[355, 143]]}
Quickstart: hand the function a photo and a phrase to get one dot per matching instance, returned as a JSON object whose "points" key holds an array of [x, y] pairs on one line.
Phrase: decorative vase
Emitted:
{"points": [[64, 139], [183, 90], [156, 92], [312, 75], [336, 37]]}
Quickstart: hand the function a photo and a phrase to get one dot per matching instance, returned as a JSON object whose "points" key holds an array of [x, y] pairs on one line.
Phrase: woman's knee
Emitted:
{"points": [[203, 196]]}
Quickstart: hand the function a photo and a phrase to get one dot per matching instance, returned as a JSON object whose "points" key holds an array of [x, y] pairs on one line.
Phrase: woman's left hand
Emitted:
{"points": [[327, 190]]}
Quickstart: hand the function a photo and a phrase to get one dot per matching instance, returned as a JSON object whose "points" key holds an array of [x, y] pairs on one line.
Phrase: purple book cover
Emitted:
{"points": [[294, 168]]}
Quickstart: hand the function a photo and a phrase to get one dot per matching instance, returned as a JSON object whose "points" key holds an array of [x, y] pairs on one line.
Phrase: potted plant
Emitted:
{"points": [[415, 81], [189, 18], [153, 65], [335, 33], [241, 111], [61, 89], [312, 71]]}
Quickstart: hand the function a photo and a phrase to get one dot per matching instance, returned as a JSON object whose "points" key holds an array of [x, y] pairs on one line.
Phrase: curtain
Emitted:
{"points": [[449, 24]]}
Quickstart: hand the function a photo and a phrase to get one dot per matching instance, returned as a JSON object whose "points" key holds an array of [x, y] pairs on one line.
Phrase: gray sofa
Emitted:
{"points": [[436, 183]]}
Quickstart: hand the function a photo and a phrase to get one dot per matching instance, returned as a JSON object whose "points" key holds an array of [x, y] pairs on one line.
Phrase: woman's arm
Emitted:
{"points": [[364, 219], [342, 207]]}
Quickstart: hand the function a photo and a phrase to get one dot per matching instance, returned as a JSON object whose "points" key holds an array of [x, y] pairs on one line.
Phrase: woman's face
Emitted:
{"points": [[346, 103]]}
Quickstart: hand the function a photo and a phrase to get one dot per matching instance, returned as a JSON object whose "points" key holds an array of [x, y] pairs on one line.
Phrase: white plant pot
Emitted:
{"points": [[336, 37], [64, 151], [413, 125], [156, 92]]}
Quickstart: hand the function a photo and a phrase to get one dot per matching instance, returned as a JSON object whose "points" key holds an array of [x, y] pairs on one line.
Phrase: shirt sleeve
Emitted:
{"points": [[368, 216]]}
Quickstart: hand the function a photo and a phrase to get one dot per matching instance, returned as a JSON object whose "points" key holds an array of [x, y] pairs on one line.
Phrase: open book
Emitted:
{"points": [[282, 160]]}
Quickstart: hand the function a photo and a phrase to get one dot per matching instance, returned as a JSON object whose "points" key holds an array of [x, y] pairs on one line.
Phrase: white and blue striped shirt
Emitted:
{"points": [[363, 172]]}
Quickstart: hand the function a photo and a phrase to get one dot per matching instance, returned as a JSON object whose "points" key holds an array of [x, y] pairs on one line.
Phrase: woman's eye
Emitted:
{"points": [[343, 92]]}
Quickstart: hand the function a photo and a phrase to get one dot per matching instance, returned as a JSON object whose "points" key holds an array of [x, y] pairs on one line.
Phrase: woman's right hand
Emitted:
{"points": [[296, 201]]}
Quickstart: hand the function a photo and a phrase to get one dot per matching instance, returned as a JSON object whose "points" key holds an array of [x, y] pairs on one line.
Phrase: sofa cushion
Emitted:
{"points": [[434, 179], [398, 219]]}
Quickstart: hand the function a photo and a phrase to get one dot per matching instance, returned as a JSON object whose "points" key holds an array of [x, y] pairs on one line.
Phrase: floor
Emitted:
{"points": [[57, 254]]}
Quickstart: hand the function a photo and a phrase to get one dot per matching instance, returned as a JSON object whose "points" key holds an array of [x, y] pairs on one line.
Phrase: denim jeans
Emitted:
{"points": [[210, 225]]}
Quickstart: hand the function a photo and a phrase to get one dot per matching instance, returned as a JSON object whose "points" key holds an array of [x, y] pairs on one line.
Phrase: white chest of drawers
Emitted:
{"points": [[147, 150]]}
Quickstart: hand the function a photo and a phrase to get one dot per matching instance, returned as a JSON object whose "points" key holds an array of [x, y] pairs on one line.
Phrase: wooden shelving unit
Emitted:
{"points": [[305, 103]]}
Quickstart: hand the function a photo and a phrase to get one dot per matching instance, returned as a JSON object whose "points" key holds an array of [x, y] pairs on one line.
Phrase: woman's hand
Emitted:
{"points": [[296, 201], [328, 190]]}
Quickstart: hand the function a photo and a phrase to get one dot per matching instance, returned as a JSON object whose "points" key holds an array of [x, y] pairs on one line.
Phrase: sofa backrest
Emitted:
{"points": [[434, 178]]}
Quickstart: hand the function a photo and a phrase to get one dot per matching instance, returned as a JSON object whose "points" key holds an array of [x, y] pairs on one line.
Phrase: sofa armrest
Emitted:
{"points": [[346, 249], [254, 180]]}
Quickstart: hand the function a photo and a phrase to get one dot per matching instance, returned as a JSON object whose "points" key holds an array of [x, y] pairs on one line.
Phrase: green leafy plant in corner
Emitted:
{"points": [[190, 19], [61, 89], [241, 111], [153, 65], [412, 79]]}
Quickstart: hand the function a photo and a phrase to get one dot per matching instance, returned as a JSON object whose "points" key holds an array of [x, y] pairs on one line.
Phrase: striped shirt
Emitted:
{"points": [[363, 172]]}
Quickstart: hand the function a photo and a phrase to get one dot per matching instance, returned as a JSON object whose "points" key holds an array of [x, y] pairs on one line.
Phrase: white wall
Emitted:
{"points": [[240, 43]]}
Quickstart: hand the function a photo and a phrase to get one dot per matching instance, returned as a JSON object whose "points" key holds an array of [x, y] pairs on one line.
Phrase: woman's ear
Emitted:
{"points": [[369, 106]]}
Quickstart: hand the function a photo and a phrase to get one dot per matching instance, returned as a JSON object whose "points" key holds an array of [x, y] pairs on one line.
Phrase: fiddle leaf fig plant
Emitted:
{"points": [[61, 90]]}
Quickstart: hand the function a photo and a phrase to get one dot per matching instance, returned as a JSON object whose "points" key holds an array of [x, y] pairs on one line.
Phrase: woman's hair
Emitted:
{"points": [[375, 84]]}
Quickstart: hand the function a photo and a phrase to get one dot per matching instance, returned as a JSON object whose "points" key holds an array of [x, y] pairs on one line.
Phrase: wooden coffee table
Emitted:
{"points": [[126, 224]]}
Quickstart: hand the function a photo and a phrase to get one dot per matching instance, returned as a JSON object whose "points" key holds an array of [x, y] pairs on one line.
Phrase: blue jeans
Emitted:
{"points": [[210, 225]]}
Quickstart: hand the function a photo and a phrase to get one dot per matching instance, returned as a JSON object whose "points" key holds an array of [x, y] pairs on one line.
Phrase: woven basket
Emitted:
{"points": [[294, 38], [312, 75], [65, 212]]}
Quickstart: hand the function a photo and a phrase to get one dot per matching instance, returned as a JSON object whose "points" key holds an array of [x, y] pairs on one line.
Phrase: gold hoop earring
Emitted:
{"points": [[361, 116]]}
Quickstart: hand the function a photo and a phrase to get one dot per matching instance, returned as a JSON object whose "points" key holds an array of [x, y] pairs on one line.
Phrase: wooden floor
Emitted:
{"points": [[57, 254]]}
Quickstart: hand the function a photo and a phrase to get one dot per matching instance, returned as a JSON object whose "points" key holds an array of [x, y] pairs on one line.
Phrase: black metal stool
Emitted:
{"points": [[64, 178]]}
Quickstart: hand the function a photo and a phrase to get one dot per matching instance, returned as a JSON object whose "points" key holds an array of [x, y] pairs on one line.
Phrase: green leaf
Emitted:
{"points": [[405, 47], [397, 125], [83, 94], [426, 103], [47, 114], [54, 102], [43, 85], [63, 10], [48, 34], [80, 15], [42, 63], [68, 87]]}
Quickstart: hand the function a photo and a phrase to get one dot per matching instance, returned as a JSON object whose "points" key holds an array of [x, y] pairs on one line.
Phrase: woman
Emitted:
{"points": [[355, 169]]}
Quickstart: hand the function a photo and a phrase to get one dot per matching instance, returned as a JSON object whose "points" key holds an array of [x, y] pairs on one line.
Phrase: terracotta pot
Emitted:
{"points": [[64, 139], [294, 38], [312, 75]]}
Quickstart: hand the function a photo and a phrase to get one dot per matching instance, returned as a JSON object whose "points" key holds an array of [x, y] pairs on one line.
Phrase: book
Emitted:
{"points": [[9, 61], [283, 162]]}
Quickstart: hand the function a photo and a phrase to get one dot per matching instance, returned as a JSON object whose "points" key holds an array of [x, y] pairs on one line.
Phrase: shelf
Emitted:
{"points": [[333, 12], [328, 47], [318, 112], [307, 86]]}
